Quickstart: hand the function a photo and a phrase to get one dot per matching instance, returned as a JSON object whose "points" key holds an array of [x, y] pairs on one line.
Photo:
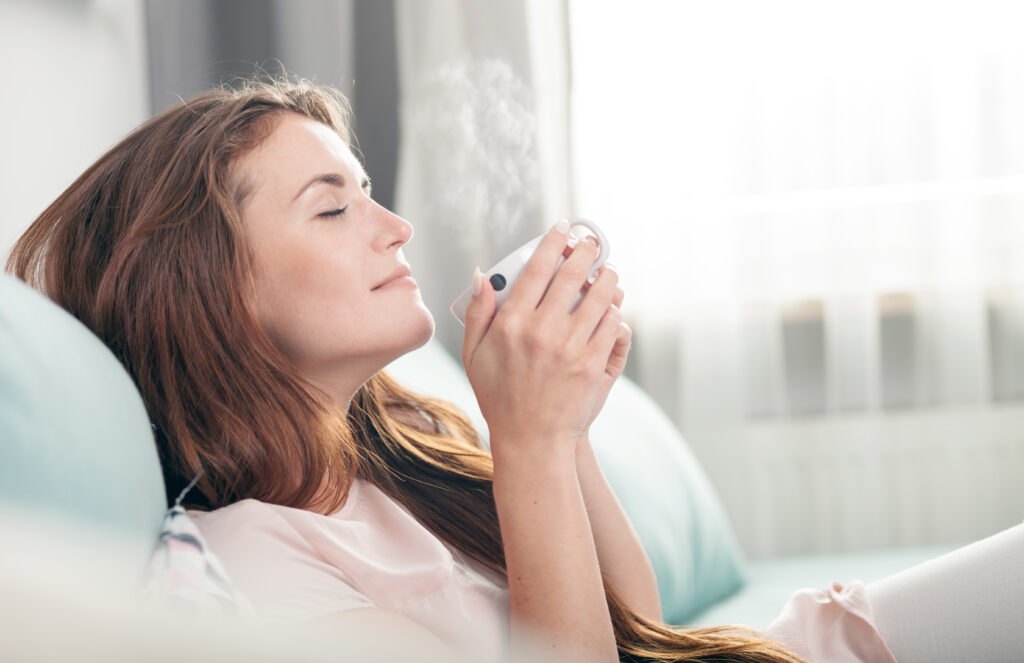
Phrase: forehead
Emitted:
{"points": [[297, 148]]}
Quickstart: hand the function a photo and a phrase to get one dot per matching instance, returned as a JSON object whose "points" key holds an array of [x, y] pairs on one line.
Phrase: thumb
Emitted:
{"points": [[479, 312]]}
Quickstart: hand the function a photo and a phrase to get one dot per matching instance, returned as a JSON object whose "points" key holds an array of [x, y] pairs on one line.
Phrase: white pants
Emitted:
{"points": [[966, 606]]}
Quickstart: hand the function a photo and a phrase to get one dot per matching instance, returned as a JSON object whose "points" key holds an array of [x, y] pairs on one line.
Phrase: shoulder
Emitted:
{"points": [[269, 557], [245, 517], [240, 509], [250, 534]]}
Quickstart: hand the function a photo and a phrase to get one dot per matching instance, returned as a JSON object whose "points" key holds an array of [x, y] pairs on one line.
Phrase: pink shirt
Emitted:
{"points": [[295, 565]]}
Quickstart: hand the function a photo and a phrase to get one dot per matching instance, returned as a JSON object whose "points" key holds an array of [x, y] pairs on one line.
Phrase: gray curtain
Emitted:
{"points": [[197, 44]]}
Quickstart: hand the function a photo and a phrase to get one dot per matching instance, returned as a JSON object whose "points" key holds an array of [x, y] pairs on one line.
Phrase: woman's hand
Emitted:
{"points": [[539, 372], [617, 359]]}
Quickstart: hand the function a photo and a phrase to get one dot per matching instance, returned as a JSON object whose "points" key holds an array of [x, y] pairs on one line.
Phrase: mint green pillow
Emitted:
{"points": [[75, 439], [670, 501], [663, 489]]}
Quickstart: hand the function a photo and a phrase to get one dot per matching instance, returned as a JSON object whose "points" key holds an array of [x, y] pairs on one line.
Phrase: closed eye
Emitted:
{"points": [[334, 212]]}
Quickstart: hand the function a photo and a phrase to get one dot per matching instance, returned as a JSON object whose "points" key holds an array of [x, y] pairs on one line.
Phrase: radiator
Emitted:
{"points": [[814, 452], [844, 483]]}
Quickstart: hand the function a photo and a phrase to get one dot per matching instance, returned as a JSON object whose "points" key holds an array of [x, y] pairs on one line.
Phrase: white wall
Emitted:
{"points": [[74, 84]]}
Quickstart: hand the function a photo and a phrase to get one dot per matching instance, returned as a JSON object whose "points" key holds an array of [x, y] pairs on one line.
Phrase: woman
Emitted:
{"points": [[230, 254]]}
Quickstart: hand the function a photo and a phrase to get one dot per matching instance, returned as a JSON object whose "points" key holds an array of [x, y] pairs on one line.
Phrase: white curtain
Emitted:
{"points": [[818, 212], [484, 153]]}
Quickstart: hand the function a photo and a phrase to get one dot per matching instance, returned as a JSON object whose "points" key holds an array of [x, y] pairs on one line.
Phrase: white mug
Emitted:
{"points": [[504, 274]]}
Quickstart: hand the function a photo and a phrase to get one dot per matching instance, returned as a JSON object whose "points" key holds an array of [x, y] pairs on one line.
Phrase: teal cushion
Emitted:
{"points": [[661, 486], [670, 501], [74, 435]]}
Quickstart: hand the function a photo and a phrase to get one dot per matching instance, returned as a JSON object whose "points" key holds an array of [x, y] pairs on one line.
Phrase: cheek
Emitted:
{"points": [[301, 293]]}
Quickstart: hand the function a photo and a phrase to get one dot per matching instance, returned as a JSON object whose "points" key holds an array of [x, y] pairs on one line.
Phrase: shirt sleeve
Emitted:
{"points": [[835, 624], [274, 567]]}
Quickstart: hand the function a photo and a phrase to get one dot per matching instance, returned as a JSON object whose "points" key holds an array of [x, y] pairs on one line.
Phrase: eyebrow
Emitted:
{"points": [[334, 179]]}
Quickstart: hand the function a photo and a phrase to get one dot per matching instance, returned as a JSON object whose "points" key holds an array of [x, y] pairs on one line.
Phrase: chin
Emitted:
{"points": [[418, 332], [426, 330]]}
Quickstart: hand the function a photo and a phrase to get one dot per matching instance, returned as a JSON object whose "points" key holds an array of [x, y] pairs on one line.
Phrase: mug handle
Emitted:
{"points": [[602, 241]]}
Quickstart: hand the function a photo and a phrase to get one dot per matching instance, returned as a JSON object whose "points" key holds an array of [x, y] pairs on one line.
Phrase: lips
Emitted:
{"points": [[397, 274]]}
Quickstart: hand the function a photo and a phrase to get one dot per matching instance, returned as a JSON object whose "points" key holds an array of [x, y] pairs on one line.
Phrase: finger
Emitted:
{"points": [[569, 246], [620, 351], [568, 252], [619, 295], [572, 241], [570, 279], [536, 275], [619, 292], [595, 302], [617, 298], [479, 313], [606, 334]]}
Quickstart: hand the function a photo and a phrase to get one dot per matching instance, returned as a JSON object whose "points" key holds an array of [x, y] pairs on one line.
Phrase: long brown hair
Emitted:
{"points": [[147, 249]]}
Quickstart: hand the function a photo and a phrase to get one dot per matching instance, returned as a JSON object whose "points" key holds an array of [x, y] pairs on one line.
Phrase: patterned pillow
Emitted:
{"points": [[185, 577]]}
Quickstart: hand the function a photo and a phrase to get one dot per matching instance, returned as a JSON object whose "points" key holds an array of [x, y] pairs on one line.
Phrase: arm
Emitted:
{"points": [[556, 598], [536, 371], [619, 552], [622, 558]]}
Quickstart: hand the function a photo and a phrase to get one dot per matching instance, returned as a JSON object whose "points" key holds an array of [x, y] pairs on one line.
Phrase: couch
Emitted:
{"points": [[82, 500]]}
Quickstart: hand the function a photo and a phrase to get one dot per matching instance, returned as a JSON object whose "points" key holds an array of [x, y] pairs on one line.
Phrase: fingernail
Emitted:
{"points": [[478, 281], [562, 226]]}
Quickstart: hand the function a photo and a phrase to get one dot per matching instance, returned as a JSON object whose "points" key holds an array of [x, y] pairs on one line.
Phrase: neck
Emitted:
{"points": [[337, 389]]}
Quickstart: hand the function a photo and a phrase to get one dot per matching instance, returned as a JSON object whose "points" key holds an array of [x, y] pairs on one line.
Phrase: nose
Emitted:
{"points": [[392, 230]]}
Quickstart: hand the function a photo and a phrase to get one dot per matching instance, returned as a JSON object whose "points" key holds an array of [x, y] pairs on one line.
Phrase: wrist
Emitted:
{"points": [[532, 456], [583, 447]]}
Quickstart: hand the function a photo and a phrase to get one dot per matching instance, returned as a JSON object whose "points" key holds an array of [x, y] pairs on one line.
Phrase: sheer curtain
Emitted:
{"points": [[483, 162], [818, 211]]}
